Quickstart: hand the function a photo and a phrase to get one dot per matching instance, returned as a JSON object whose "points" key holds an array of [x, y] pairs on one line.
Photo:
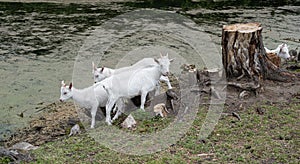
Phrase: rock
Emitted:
{"points": [[23, 146], [129, 122]]}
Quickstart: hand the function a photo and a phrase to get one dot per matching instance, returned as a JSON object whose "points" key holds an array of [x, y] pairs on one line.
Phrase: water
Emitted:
{"points": [[38, 46], [40, 41]]}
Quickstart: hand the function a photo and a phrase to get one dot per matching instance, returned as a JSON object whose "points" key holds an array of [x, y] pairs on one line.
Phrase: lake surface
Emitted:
{"points": [[40, 42]]}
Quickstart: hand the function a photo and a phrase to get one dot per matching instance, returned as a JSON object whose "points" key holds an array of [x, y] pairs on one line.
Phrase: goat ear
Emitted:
{"points": [[63, 83], [161, 55], [102, 69], [156, 60], [171, 60], [167, 54], [70, 86], [280, 47]]}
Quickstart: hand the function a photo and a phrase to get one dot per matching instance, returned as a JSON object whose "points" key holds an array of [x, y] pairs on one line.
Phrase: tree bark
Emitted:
{"points": [[243, 54]]}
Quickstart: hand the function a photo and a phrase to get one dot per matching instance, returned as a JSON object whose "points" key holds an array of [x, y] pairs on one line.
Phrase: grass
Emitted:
{"points": [[272, 137]]}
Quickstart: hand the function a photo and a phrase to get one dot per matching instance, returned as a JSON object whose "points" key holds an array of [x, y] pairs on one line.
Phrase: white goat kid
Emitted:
{"points": [[90, 98], [133, 83], [104, 72], [282, 51]]}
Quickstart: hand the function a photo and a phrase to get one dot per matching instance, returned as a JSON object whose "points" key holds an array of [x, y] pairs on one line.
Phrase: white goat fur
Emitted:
{"points": [[132, 83], [91, 97], [104, 72], [281, 50]]}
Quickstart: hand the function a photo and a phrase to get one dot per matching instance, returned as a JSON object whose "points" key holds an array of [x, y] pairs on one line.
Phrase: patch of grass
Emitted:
{"points": [[271, 137], [5, 160]]}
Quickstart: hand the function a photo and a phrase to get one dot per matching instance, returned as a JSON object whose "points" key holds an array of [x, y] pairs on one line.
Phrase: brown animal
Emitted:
{"points": [[160, 109], [274, 58]]}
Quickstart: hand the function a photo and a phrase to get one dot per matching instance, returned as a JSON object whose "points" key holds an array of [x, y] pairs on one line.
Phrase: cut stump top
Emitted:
{"points": [[243, 28]]}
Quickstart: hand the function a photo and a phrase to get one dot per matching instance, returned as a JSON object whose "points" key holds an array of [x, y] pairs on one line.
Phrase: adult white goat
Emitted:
{"points": [[281, 50], [104, 72], [132, 83], [91, 98]]}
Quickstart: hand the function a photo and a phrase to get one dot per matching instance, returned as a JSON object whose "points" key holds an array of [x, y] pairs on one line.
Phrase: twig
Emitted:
{"points": [[234, 114]]}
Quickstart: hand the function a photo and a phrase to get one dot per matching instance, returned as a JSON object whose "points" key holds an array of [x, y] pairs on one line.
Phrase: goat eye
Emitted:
{"points": [[65, 93], [97, 76]]}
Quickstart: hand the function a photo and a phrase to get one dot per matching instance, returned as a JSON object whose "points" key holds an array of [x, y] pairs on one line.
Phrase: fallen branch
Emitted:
{"points": [[234, 114], [247, 86]]}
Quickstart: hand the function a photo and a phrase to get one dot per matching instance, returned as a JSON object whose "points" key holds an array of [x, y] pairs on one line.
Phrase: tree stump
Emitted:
{"points": [[243, 54]]}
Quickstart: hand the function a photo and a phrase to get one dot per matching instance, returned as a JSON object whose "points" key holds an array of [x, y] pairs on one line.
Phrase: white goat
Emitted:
{"points": [[132, 83], [282, 51], [90, 98], [104, 72]]}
